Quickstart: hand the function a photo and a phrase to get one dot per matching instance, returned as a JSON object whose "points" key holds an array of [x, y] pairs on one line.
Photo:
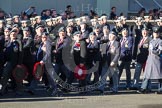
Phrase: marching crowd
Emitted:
{"points": [[29, 43]]}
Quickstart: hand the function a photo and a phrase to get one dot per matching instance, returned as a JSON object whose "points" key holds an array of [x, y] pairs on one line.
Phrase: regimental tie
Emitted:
{"points": [[109, 46], [24, 41], [142, 42], [123, 41], [59, 43]]}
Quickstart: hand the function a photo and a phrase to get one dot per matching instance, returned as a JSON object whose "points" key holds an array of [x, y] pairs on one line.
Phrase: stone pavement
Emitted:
{"points": [[124, 99]]}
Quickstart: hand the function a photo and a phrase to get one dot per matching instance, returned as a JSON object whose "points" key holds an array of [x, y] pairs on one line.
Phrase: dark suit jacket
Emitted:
{"points": [[2, 42], [106, 24], [12, 53], [59, 47], [81, 54], [126, 49], [138, 33], [99, 36], [46, 52], [39, 54], [143, 51], [85, 34], [118, 30], [93, 53], [103, 45], [113, 52], [27, 48]]}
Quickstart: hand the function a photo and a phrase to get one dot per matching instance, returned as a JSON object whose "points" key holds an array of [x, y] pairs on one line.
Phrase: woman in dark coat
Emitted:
{"points": [[79, 52], [93, 57], [28, 59]]}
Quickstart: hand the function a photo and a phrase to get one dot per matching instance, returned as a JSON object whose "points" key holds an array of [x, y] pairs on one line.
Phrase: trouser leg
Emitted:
{"points": [[96, 76], [160, 85], [7, 72], [114, 76], [104, 74], [137, 74], [145, 84], [128, 74], [121, 67]]}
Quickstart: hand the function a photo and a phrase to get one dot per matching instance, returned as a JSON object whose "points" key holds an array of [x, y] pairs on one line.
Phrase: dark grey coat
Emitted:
{"points": [[153, 68]]}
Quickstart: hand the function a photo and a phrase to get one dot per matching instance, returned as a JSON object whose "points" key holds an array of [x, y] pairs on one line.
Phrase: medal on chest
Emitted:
{"points": [[126, 44]]}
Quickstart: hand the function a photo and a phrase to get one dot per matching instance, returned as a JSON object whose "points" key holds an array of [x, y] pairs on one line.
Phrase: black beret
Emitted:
{"points": [[13, 30], [112, 32], [26, 29], [105, 27], [145, 28], [61, 29], [15, 25], [69, 26], [82, 23], [39, 26], [8, 25], [97, 26], [45, 34], [124, 29], [156, 29], [8, 28], [77, 32], [92, 33], [68, 6]]}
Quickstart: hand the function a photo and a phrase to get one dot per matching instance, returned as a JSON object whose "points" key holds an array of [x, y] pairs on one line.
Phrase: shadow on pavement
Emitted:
{"points": [[151, 106], [30, 99]]}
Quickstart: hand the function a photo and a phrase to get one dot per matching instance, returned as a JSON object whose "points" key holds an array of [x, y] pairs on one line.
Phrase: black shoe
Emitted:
{"points": [[101, 91], [31, 92], [143, 91], [158, 92], [49, 90], [83, 93], [54, 93], [133, 65], [19, 93], [3, 91], [113, 92], [98, 90], [133, 88], [65, 90], [128, 88], [1, 94]]}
